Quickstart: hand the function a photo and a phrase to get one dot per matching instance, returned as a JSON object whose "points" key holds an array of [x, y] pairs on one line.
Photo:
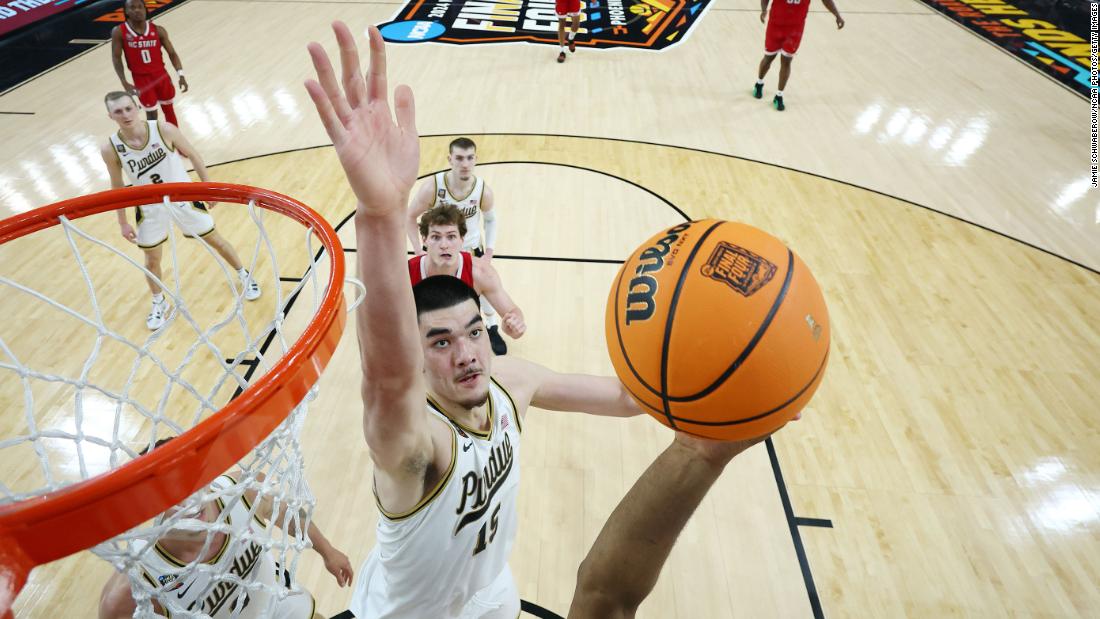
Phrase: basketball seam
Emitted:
{"points": [[684, 270], [779, 298], [777, 409]]}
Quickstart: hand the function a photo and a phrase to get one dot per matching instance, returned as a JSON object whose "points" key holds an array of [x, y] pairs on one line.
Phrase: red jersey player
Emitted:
{"points": [[141, 41], [784, 33], [441, 230], [566, 9]]}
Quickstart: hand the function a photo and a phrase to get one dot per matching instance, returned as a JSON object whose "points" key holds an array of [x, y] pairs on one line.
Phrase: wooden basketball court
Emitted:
{"points": [[948, 466]]}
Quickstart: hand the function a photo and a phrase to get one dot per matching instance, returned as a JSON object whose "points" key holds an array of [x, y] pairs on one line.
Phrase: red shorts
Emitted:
{"points": [[783, 37], [567, 7], [154, 88]]}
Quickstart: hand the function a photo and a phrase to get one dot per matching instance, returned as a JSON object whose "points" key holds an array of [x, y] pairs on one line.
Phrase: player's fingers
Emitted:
{"points": [[327, 78], [376, 74], [351, 74], [333, 127], [406, 108]]}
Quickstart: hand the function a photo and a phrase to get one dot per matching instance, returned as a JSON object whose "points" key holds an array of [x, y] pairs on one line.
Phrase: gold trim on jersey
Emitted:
{"points": [[153, 601], [478, 433], [248, 504], [162, 140], [515, 409], [148, 136], [167, 556], [423, 502], [154, 245], [452, 194]]}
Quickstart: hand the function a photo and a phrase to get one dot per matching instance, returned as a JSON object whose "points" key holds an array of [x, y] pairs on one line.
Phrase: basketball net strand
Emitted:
{"points": [[272, 471]]}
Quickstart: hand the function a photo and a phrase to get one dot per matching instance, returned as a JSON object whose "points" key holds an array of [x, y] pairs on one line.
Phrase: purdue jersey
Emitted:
{"points": [[240, 555], [470, 205], [447, 557], [153, 163]]}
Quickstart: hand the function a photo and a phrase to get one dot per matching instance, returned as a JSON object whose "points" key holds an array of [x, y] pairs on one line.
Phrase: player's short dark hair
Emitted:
{"points": [[443, 215], [156, 445], [462, 143], [114, 95], [440, 292]]}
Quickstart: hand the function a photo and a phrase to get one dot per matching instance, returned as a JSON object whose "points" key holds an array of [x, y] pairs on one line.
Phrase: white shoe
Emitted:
{"points": [[158, 316], [251, 288]]}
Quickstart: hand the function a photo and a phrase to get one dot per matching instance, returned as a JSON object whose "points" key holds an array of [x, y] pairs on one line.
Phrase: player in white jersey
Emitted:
{"points": [[148, 152], [449, 518], [232, 555], [460, 187]]}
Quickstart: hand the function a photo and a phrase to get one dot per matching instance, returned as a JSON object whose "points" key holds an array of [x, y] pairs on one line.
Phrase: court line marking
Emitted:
{"points": [[885, 194]]}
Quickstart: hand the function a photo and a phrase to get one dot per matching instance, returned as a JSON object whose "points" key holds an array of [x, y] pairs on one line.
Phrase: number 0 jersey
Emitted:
{"points": [[153, 163], [432, 560]]}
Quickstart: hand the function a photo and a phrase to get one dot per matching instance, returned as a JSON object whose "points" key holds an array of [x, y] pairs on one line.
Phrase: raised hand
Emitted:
{"points": [[380, 159]]}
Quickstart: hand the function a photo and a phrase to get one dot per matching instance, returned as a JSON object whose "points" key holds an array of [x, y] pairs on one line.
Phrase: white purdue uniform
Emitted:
{"points": [[470, 205], [238, 556], [447, 557], [152, 164]]}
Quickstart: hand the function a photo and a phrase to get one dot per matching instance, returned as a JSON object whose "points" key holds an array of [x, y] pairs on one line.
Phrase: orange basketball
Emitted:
{"points": [[718, 329]]}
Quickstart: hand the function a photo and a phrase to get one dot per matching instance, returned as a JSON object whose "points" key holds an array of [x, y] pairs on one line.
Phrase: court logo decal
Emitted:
{"points": [[605, 24], [1056, 43], [738, 268]]}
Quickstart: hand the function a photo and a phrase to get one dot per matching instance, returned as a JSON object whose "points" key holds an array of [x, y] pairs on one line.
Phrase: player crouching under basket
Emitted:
{"points": [[186, 571]]}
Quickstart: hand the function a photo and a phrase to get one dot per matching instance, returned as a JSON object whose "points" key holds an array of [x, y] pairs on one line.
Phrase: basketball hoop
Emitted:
{"points": [[87, 512]]}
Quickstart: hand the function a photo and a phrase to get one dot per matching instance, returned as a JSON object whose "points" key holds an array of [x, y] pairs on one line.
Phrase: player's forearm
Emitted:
{"points": [[175, 60], [831, 6], [389, 344], [200, 168], [119, 70], [643, 529], [121, 214]]}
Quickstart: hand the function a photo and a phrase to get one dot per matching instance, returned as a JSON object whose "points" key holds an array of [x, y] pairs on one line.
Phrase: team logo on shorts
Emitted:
{"points": [[605, 24], [738, 268]]}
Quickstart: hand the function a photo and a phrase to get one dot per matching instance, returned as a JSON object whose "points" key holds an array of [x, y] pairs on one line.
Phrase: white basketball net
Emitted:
{"points": [[161, 397]]}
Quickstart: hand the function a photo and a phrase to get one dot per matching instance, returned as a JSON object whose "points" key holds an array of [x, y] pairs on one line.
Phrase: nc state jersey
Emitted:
{"points": [[432, 560], [789, 12], [142, 49], [418, 269]]}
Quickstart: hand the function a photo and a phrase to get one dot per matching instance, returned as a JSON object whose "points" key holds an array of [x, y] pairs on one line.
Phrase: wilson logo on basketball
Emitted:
{"points": [[643, 286], [738, 268], [606, 24]]}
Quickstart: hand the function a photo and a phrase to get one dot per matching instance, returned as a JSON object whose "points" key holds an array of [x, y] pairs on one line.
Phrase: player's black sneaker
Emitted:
{"points": [[572, 45], [561, 56], [496, 342], [778, 103], [758, 91]]}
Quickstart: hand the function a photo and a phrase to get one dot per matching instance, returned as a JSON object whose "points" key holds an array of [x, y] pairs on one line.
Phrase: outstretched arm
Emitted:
{"points": [[421, 202], [173, 57], [116, 59], [829, 4], [581, 393], [380, 160], [179, 142], [623, 565], [114, 169], [336, 562], [487, 208], [488, 283]]}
